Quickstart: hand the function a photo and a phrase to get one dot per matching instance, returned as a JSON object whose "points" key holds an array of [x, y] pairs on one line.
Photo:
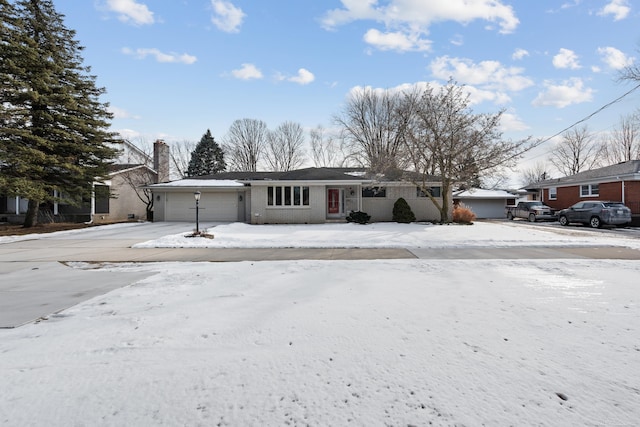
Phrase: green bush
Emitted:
{"points": [[359, 217], [402, 212]]}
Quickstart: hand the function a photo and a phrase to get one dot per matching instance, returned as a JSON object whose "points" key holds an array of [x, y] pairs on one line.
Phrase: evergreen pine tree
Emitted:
{"points": [[53, 147], [207, 158]]}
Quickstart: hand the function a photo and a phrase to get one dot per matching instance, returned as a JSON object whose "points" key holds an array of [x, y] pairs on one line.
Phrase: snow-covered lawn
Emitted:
{"points": [[332, 343], [392, 235]]}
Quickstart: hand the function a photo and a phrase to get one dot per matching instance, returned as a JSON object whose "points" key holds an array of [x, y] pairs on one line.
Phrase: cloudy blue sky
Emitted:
{"points": [[175, 68]]}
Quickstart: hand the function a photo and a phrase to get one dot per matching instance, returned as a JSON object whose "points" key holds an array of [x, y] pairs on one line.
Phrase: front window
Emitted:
{"points": [[288, 195], [589, 190], [553, 193], [435, 192], [102, 199], [374, 192]]}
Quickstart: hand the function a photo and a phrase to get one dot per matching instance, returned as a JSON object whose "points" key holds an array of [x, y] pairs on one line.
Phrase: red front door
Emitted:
{"points": [[333, 201]]}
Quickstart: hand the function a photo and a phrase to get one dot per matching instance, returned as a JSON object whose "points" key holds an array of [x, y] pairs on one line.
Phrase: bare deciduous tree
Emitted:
{"points": [[576, 152], [371, 120], [328, 150], [447, 139], [138, 159], [137, 178], [283, 150], [244, 144], [624, 142], [536, 173], [180, 157], [631, 72]]}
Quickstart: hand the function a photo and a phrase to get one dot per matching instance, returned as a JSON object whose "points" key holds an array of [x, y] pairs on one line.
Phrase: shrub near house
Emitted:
{"points": [[402, 212], [463, 215]]}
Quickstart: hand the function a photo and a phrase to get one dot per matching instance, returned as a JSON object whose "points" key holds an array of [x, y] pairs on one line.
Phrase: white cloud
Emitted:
{"points": [[409, 20], [488, 74], [476, 95], [457, 40], [130, 11], [510, 122], [227, 17], [119, 113], [519, 54], [566, 58], [247, 72], [571, 4], [614, 58], [398, 41], [303, 77], [568, 93], [128, 134], [160, 56], [618, 8]]}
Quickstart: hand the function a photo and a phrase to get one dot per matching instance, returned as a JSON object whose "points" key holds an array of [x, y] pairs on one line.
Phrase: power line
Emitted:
{"points": [[604, 107]]}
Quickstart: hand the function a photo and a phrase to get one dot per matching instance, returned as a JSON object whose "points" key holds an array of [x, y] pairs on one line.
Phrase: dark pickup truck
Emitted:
{"points": [[532, 210]]}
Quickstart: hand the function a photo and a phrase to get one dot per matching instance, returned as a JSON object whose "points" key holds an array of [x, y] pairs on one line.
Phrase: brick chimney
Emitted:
{"points": [[161, 155]]}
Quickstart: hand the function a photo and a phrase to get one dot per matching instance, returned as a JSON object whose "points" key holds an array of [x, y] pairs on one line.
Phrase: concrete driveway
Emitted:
{"points": [[37, 280]]}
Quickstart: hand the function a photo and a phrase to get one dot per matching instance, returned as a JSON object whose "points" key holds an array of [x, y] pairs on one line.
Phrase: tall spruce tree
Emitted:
{"points": [[55, 129], [207, 158]]}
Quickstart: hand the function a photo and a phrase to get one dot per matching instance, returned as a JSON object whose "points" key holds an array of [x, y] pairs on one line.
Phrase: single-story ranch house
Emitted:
{"points": [[620, 182], [304, 196]]}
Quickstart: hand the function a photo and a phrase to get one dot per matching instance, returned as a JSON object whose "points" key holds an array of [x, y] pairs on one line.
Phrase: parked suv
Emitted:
{"points": [[596, 213]]}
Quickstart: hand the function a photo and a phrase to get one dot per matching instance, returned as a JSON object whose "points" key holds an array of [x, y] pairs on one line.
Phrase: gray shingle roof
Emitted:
{"points": [[314, 174], [615, 172], [308, 174]]}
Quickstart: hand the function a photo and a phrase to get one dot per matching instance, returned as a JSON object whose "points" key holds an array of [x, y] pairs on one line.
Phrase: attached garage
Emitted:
{"points": [[214, 206], [220, 200]]}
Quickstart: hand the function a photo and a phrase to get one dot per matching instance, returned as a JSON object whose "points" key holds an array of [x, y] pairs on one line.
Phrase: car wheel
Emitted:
{"points": [[595, 222], [563, 220], [509, 216], [532, 217]]}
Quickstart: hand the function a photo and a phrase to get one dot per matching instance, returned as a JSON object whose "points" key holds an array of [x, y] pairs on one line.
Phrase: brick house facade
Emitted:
{"points": [[620, 182]]}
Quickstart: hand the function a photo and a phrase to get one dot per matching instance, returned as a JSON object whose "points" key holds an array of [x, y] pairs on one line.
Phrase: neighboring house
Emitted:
{"points": [[132, 169], [619, 182], [312, 195], [486, 204]]}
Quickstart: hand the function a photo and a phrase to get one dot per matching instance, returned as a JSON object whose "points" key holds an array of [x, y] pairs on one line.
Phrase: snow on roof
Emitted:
{"points": [[201, 183], [479, 193]]}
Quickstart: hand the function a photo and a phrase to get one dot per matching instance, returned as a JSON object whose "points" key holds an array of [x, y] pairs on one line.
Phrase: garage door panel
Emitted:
{"points": [[213, 207], [486, 208]]}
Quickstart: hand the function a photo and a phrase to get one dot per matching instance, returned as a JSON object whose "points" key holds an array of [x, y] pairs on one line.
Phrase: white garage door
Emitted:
{"points": [[213, 207]]}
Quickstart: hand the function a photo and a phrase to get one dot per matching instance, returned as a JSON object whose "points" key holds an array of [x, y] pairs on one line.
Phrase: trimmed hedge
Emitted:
{"points": [[402, 212], [359, 217]]}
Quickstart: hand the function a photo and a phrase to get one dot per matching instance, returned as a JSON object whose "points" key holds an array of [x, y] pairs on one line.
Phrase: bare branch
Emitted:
{"points": [[283, 150]]}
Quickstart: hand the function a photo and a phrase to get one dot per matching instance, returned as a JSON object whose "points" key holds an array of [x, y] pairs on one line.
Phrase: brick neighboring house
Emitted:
{"points": [[620, 182]]}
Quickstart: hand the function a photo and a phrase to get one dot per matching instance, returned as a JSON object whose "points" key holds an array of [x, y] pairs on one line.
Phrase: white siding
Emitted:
{"points": [[313, 214], [381, 208]]}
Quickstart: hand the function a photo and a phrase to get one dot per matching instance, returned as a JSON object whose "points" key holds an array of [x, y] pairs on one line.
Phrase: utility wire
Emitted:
{"points": [[604, 107]]}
